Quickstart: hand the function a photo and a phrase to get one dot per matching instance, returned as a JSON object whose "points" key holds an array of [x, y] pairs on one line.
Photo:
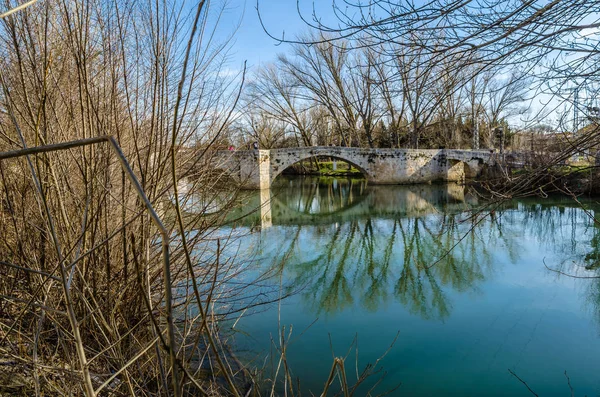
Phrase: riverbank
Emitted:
{"points": [[325, 168], [571, 179]]}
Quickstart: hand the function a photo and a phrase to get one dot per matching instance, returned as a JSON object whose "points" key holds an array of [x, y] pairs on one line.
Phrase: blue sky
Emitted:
{"points": [[251, 43]]}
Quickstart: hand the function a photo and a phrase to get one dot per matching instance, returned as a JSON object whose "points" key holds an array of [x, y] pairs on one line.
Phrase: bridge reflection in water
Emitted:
{"points": [[467, 290], [310, 201], [346, 242], [371, 244]]}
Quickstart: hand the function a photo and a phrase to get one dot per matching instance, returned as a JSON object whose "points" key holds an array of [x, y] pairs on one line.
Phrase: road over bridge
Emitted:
{"points": [[257, 169]]}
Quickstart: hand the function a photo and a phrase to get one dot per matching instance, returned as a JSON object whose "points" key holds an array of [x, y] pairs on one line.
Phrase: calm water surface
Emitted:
{"points": [[373, 262]]}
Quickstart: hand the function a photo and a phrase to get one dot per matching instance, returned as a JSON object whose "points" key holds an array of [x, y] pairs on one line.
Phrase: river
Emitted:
{"points": [[469, 291]]}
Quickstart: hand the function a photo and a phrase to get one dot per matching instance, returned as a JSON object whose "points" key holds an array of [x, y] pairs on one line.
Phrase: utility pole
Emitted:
{"points": [[575, 111], [499, 132], [575, 156], [475, 133]]}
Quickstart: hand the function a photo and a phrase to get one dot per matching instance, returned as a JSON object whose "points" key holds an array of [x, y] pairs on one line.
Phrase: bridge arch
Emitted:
{"points": [[464, 168], [282, 159]]}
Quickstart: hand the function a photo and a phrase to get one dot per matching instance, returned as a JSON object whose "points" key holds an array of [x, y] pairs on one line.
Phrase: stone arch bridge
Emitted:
{"points": [[257, 169]]}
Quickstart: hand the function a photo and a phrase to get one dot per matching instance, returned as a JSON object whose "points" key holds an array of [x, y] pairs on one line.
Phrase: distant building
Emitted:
{"points": [[539, 141]]}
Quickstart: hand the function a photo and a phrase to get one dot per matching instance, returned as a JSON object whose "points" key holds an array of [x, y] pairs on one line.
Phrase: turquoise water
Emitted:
{"points": [[466, 295]]}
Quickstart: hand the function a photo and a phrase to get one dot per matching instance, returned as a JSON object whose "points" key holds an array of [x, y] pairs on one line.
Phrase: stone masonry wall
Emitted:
{"points": [[257, 169]]}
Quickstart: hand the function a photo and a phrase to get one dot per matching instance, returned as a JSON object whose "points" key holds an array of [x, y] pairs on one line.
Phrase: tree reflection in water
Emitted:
{"points": [[358, 245], [571, 234]]}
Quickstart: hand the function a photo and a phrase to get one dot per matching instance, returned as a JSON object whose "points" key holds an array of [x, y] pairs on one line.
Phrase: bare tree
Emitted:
{"points": [[320, 70], [451, 103], [505, 98], [112, 97], [364, 93], [476, 88], [264, 129], [417, 71], [393, 104], [277, 95]]}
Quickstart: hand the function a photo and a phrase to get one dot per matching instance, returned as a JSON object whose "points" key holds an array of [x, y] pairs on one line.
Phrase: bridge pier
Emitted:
{"points": [[266, 217]]}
